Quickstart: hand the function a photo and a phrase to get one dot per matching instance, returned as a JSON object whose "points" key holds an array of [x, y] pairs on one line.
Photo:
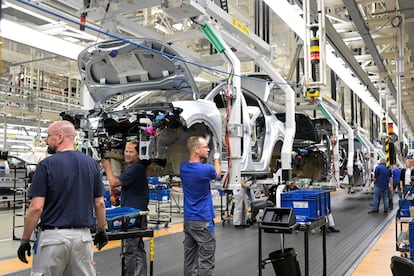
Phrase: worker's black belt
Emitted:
{"points": [[46, 227]]}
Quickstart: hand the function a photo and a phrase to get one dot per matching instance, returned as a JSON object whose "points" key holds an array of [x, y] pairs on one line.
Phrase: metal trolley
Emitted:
{"points": [[122, 224]]}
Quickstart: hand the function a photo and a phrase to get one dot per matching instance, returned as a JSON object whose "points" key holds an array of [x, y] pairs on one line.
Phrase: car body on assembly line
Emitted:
{"points": [[159, 104], [312, 150]]}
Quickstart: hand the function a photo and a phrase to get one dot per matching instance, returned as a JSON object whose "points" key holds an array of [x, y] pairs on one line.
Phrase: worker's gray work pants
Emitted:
{"points": [[135, 257], [240, 206], [199, 248], [64, 252]]}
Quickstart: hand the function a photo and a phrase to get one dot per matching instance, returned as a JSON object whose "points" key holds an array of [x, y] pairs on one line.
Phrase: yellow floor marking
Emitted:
{"points": [[13, 265]]}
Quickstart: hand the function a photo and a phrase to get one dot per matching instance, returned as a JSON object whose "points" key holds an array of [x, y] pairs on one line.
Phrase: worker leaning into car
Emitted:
{"points": [[199, 240], [134, 194], [66, 189]]}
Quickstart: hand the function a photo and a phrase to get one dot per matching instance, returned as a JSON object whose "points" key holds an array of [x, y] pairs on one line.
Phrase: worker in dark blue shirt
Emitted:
{"points": [[66, 191], [134, 194], [383, 182]]}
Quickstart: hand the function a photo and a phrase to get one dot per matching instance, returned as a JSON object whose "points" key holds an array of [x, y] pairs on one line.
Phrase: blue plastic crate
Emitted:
{"points": [[405, 209], [328, 202], [117, 217], [161, 195], [307, 204], [107, 199], [153, 180], [152, 195]]}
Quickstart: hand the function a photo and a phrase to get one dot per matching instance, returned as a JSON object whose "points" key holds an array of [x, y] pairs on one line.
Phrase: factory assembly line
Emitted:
{"points": [[266, 129], [162, 106]]}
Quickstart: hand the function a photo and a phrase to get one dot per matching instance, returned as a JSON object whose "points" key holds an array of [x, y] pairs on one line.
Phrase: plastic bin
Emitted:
{"points": [[122, 217], [160, 194], [154, 180], [107, 199], [307, 204], [405, 209], [285, 263], [327, 197]]}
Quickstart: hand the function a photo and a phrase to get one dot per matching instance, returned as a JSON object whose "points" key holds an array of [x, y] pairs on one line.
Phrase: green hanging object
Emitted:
{"points": [[214, 40]]}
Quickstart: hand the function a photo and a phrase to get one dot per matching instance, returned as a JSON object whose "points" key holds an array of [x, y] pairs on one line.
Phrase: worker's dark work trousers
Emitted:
{"points": [[135, 256], [199, 248]]}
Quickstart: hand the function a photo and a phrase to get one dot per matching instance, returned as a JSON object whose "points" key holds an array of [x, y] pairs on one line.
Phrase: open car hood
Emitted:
{"points": [[116, 67]]}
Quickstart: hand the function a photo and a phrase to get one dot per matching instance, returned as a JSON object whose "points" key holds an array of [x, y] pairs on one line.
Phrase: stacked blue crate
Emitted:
{"points": [[158, 191]]}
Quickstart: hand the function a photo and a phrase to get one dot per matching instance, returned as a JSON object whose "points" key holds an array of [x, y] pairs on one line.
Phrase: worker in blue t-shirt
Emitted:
{"points": [[199, 240], [396, 175]]}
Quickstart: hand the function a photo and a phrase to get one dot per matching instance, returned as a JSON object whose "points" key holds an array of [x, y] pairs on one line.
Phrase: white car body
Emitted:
{"points": [[162, 108]]}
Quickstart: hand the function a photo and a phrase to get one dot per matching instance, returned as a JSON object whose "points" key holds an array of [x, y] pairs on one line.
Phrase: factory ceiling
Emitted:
{"points": [[375, 38]]}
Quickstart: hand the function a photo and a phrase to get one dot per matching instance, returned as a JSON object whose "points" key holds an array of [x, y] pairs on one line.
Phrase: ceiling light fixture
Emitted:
{"points": [[36, 39]]}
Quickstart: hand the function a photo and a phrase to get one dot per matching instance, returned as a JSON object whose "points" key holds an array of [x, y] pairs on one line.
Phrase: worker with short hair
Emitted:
{"points": [[199, 239], [66, 189], [134, 194]]}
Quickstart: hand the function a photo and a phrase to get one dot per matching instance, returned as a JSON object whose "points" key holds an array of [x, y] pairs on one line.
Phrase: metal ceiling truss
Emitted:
{"points": [[373, 48]]}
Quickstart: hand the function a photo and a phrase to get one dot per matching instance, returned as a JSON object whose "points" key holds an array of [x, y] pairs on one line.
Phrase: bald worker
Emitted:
{"points": [[66, 190]]}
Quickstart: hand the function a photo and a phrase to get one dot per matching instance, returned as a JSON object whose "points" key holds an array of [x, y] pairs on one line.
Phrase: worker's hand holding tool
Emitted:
{"points": [[101, 238], [23, 248]]}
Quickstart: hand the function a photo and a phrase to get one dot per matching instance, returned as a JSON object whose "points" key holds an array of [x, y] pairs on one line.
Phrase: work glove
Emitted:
{"points": [[23, 248], [216, 155], [101, 238]]}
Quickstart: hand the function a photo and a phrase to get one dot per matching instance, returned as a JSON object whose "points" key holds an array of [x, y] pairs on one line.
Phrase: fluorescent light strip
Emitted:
{"points": [[36, 39]]}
